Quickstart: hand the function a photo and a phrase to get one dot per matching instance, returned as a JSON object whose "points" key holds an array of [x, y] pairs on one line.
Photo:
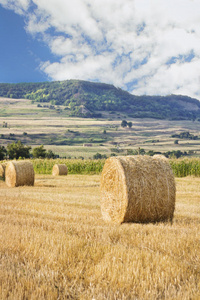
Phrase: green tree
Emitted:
{"points": [[16, 150], [123, 123], [141, 151], [99, 156], [39, 152], [3, 152], [50, 154], [129, 124]]}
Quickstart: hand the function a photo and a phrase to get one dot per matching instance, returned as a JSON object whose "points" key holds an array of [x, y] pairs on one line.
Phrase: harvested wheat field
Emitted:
{"points": [[56, 245]]}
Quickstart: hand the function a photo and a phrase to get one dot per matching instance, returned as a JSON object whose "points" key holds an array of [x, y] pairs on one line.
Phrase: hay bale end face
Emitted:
{"points": [[19, 173], [2, 170], [137, 189], [59, 169]]}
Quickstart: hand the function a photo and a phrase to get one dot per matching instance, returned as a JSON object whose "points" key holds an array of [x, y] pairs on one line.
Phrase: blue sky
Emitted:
{"points": [[20, 53], [144, 46]]}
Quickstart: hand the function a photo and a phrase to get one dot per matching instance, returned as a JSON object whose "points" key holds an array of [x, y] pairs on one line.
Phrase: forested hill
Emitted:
{"points": [[98, 97]]}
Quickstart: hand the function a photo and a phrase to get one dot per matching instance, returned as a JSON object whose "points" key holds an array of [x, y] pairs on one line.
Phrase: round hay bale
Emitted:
{"points": [[2, 170], [19, 173], [59, 169], [137, 189]]}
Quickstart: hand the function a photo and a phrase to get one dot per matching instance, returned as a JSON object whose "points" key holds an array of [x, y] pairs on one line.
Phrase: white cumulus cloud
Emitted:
{"points": [[146, 46], [19, 6]]}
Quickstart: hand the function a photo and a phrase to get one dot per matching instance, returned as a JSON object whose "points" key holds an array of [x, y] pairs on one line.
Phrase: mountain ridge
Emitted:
{"points": [[98, 97]]}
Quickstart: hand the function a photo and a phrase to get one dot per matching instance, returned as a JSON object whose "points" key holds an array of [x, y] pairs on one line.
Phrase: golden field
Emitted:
{"points": [[55, 245]]}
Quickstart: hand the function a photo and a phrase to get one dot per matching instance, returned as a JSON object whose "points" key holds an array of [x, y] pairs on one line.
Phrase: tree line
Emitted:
{"points": [[18, 150], [185, 135]]}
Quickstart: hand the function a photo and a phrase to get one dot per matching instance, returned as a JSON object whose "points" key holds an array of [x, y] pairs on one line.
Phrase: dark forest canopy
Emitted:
{"points": [[97, 97]]}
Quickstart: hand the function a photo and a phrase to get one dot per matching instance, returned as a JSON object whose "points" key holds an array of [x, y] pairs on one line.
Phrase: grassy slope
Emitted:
{"points": [[55, 245], [103, 97]]}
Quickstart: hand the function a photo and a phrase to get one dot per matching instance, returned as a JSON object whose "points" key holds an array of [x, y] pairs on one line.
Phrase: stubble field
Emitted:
{"points": [[55, 245]]}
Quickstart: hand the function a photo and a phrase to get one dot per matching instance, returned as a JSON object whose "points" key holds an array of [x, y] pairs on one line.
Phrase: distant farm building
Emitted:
{"points": [[87, 145]]}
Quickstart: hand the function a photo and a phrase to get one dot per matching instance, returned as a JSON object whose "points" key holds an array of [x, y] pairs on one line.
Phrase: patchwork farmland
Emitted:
{"points": [[84, 137]]}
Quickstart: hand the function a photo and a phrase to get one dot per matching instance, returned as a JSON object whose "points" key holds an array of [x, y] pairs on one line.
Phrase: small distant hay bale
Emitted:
{"points": [[137, 189], [2, 170], [59, 169], [19, 173]]}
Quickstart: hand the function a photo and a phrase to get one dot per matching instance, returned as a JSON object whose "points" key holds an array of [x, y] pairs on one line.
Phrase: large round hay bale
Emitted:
{"points": [[2, 170], [59, 169], [19, 173], [137, 189]]}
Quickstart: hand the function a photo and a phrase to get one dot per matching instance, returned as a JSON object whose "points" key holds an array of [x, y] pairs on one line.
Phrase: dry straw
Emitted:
{"points": [[59, 169], [19, 173], [2, 170], [137, 189]]}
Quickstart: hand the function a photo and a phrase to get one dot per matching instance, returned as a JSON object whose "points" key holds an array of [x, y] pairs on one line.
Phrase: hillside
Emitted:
{"points": [[90, 99]]}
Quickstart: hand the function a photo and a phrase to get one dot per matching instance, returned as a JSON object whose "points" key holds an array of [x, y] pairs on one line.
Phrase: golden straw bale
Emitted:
{"points": [[19, 173], [2, 170], [59, 169], [160, 156], [137, 189]]}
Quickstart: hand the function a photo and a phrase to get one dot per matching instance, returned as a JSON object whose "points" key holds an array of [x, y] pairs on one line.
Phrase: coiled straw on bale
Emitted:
{"points": [[2, 170], [59, 169], [19, 173], [137, 189]]}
